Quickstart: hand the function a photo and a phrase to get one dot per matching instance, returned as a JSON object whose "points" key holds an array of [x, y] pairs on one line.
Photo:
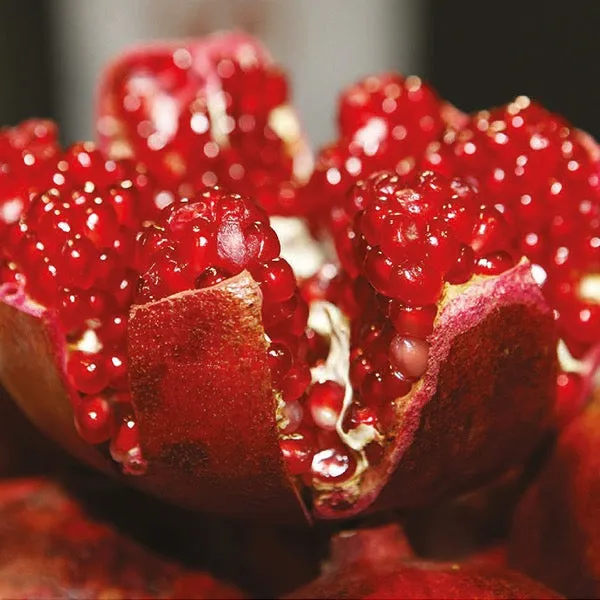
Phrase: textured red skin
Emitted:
{"points": [[376, 564], [202, 392], [221, 453], [556, 529], [52, 549]]}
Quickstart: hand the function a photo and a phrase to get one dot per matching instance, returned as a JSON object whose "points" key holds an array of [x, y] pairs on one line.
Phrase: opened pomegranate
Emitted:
{"points": [[544, 176], [377, 563], [556, 529], [182, 346], [206, 112], [51, 548]]}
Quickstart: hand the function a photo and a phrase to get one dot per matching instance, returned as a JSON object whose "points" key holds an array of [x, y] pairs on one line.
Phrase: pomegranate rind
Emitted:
{"points": [[52, 549], [376, 563], [555, 534], [205, 406], [483, 406], [32, 369]]}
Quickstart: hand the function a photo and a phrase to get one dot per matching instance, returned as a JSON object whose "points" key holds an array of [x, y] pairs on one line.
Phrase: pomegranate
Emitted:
{"points": [[51, 548], [556, 528], [125, 322], [544, 176], [377, 563], [206, 112]]}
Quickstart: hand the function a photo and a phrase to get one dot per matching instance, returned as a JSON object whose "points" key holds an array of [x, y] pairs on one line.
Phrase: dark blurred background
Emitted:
{"points": [[476, 54]]}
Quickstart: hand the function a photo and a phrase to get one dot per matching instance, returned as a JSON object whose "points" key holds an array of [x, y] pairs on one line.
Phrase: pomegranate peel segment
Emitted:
{"points": [[202, 391]]}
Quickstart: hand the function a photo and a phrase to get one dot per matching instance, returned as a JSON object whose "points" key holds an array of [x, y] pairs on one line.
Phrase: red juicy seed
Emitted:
{"points": [[333, 465], [462, 270], [94, 419], [165, 277], [298, 453], [494, 264], [359, 415], [101, 224], [210, 277], [277, 280], [77, 260], [112, 329], [87, 372], [125, 205], [581, 321], [325, 401], [280, 361], [124, 447], [568, 396], [396, 385], [409, 355], [360, 367], [295, 382], [416, 286], [415, 322], [116, 369], [380, 271]]}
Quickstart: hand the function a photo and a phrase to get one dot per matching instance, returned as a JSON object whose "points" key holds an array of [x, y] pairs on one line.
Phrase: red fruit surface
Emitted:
{"points": [[556, 529], [51, 548], [206, 112], [376, 563]]}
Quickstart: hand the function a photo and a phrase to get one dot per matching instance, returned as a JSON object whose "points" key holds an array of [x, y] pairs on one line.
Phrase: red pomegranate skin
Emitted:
{"points": [[52, 549], [377, 564], [555, 533]]}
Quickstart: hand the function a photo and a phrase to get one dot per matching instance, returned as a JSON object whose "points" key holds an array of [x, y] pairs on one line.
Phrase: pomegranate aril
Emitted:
{"points": [[294, 384], [333, 465], [395, 385], [210, 277], [293, 413], [463, 268], [125, 447], [494, 264], [415, 322], [416, 286], [298, 452], [409, 355], [87, 372], [280, 361], [325, 401], [94, 419], [276, 279]]}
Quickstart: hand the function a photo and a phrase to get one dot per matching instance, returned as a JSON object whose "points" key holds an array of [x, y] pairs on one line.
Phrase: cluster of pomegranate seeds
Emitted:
{"points": [[544, 176], [216, 112], [385, 122], [402, 246], [73, 253], [28, 155]]}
